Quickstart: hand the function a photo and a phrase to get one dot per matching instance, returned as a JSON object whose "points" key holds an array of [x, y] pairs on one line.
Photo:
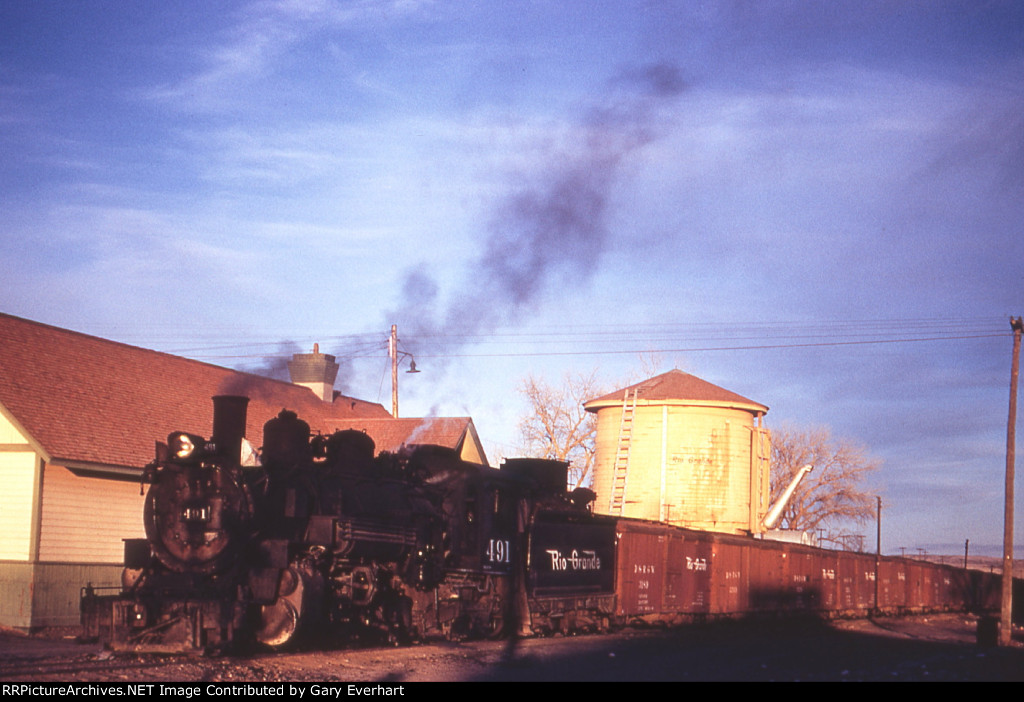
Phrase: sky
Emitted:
{"points": [[817, 205]]}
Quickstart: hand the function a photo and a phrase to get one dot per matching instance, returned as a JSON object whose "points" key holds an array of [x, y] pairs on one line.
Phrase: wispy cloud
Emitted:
{"points": [[259, 40]]}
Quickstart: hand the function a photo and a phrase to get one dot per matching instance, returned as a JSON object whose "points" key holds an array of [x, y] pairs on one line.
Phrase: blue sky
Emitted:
{"points": [[748, 190]]}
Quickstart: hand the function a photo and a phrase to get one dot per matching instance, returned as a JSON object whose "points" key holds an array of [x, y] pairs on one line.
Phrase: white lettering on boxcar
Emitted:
{"points": [[577, 560]]}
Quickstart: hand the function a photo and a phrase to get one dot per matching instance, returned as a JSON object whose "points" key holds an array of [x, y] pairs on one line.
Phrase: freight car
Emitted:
{"points": [[324, 538], [670, 574]]}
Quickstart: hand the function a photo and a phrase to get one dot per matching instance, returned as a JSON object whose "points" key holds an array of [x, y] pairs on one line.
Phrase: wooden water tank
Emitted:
{"points": [[678, 449]]}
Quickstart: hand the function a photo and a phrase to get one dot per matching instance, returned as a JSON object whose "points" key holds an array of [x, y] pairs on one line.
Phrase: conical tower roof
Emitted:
{"points": [[676, 388]]}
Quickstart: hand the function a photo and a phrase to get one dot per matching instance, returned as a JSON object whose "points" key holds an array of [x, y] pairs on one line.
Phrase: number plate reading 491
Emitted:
{"points": [[499, 551]]}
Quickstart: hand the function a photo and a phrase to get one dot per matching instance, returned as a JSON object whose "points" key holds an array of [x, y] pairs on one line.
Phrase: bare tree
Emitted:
{"points": [[833, 496], [557, 426]]}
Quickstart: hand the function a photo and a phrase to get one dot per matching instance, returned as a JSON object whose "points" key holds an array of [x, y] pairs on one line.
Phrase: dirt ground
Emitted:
{"points": [[932, 648]]}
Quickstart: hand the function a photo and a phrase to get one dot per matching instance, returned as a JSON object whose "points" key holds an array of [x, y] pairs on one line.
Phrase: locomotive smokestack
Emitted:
{"points": [[229, 415]]}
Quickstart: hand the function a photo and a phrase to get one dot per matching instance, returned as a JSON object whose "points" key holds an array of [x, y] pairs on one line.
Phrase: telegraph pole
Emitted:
{"points": [[878, 548], [393, 354], [1005, 623]]}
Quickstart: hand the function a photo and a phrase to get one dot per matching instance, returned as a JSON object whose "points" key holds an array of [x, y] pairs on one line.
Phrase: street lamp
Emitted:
{"points": [[394, 354]]}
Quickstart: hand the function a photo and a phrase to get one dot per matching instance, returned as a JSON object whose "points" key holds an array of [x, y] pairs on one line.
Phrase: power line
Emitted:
{"points": [[695, 349], [601, 339], [648, 349]]}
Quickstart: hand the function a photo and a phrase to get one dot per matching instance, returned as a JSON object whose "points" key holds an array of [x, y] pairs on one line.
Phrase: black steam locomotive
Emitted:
{"points": [[323, 538]]}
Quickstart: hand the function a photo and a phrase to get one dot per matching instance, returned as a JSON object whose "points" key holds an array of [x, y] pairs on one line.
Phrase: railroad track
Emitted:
{"points": [[61, 663], [63, 669]]}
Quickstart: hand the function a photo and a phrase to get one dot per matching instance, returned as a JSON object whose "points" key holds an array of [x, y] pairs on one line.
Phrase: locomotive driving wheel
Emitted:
{"points": [[497, 626], [278, 623], [280, 620]]}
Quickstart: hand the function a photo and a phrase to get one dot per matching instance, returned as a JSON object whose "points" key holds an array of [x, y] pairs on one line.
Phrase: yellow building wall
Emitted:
{"points": [[17, 497], [86, 519], [18, 476], [58, 532], [9, 434], [472, 451], [689, 466]]}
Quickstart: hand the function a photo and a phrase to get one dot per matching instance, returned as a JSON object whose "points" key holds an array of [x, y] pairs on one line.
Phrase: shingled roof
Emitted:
{"points": [[89, 402], [676, 387]]}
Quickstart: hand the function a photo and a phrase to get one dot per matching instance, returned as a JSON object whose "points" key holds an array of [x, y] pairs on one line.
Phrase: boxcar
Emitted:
{"points": [[670, 574]]}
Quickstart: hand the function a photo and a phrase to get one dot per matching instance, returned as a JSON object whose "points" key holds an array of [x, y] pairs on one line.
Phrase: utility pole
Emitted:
{"points": [[1005, 623], [878, 548], [393, 355]]}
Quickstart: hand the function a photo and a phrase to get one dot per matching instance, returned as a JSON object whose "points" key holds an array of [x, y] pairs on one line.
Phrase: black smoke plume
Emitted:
{"points": [[550, 227], [276, 367]]}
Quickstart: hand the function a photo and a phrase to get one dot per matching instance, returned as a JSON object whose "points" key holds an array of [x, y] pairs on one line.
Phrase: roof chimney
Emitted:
{"points": [[315, 371]]}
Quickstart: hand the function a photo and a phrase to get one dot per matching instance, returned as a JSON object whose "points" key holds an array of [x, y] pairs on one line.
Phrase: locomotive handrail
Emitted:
{"points": [[90, 590]]}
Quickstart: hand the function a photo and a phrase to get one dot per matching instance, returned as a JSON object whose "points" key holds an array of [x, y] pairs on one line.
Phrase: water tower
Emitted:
{"points": [[678, 449]]}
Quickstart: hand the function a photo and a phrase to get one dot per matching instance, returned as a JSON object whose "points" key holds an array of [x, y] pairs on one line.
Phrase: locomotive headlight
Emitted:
{"points": [[184, 447]]}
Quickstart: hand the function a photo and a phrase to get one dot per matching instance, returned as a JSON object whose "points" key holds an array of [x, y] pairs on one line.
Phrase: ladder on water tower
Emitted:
{"points": [[621, 468]]}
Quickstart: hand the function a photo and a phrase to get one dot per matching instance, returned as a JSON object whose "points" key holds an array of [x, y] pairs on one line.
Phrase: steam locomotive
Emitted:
{"points": [[323, 538]]}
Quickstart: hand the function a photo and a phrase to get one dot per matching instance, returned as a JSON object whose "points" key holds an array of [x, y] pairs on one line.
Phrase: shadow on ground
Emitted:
{"points": [[759, 651]]}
